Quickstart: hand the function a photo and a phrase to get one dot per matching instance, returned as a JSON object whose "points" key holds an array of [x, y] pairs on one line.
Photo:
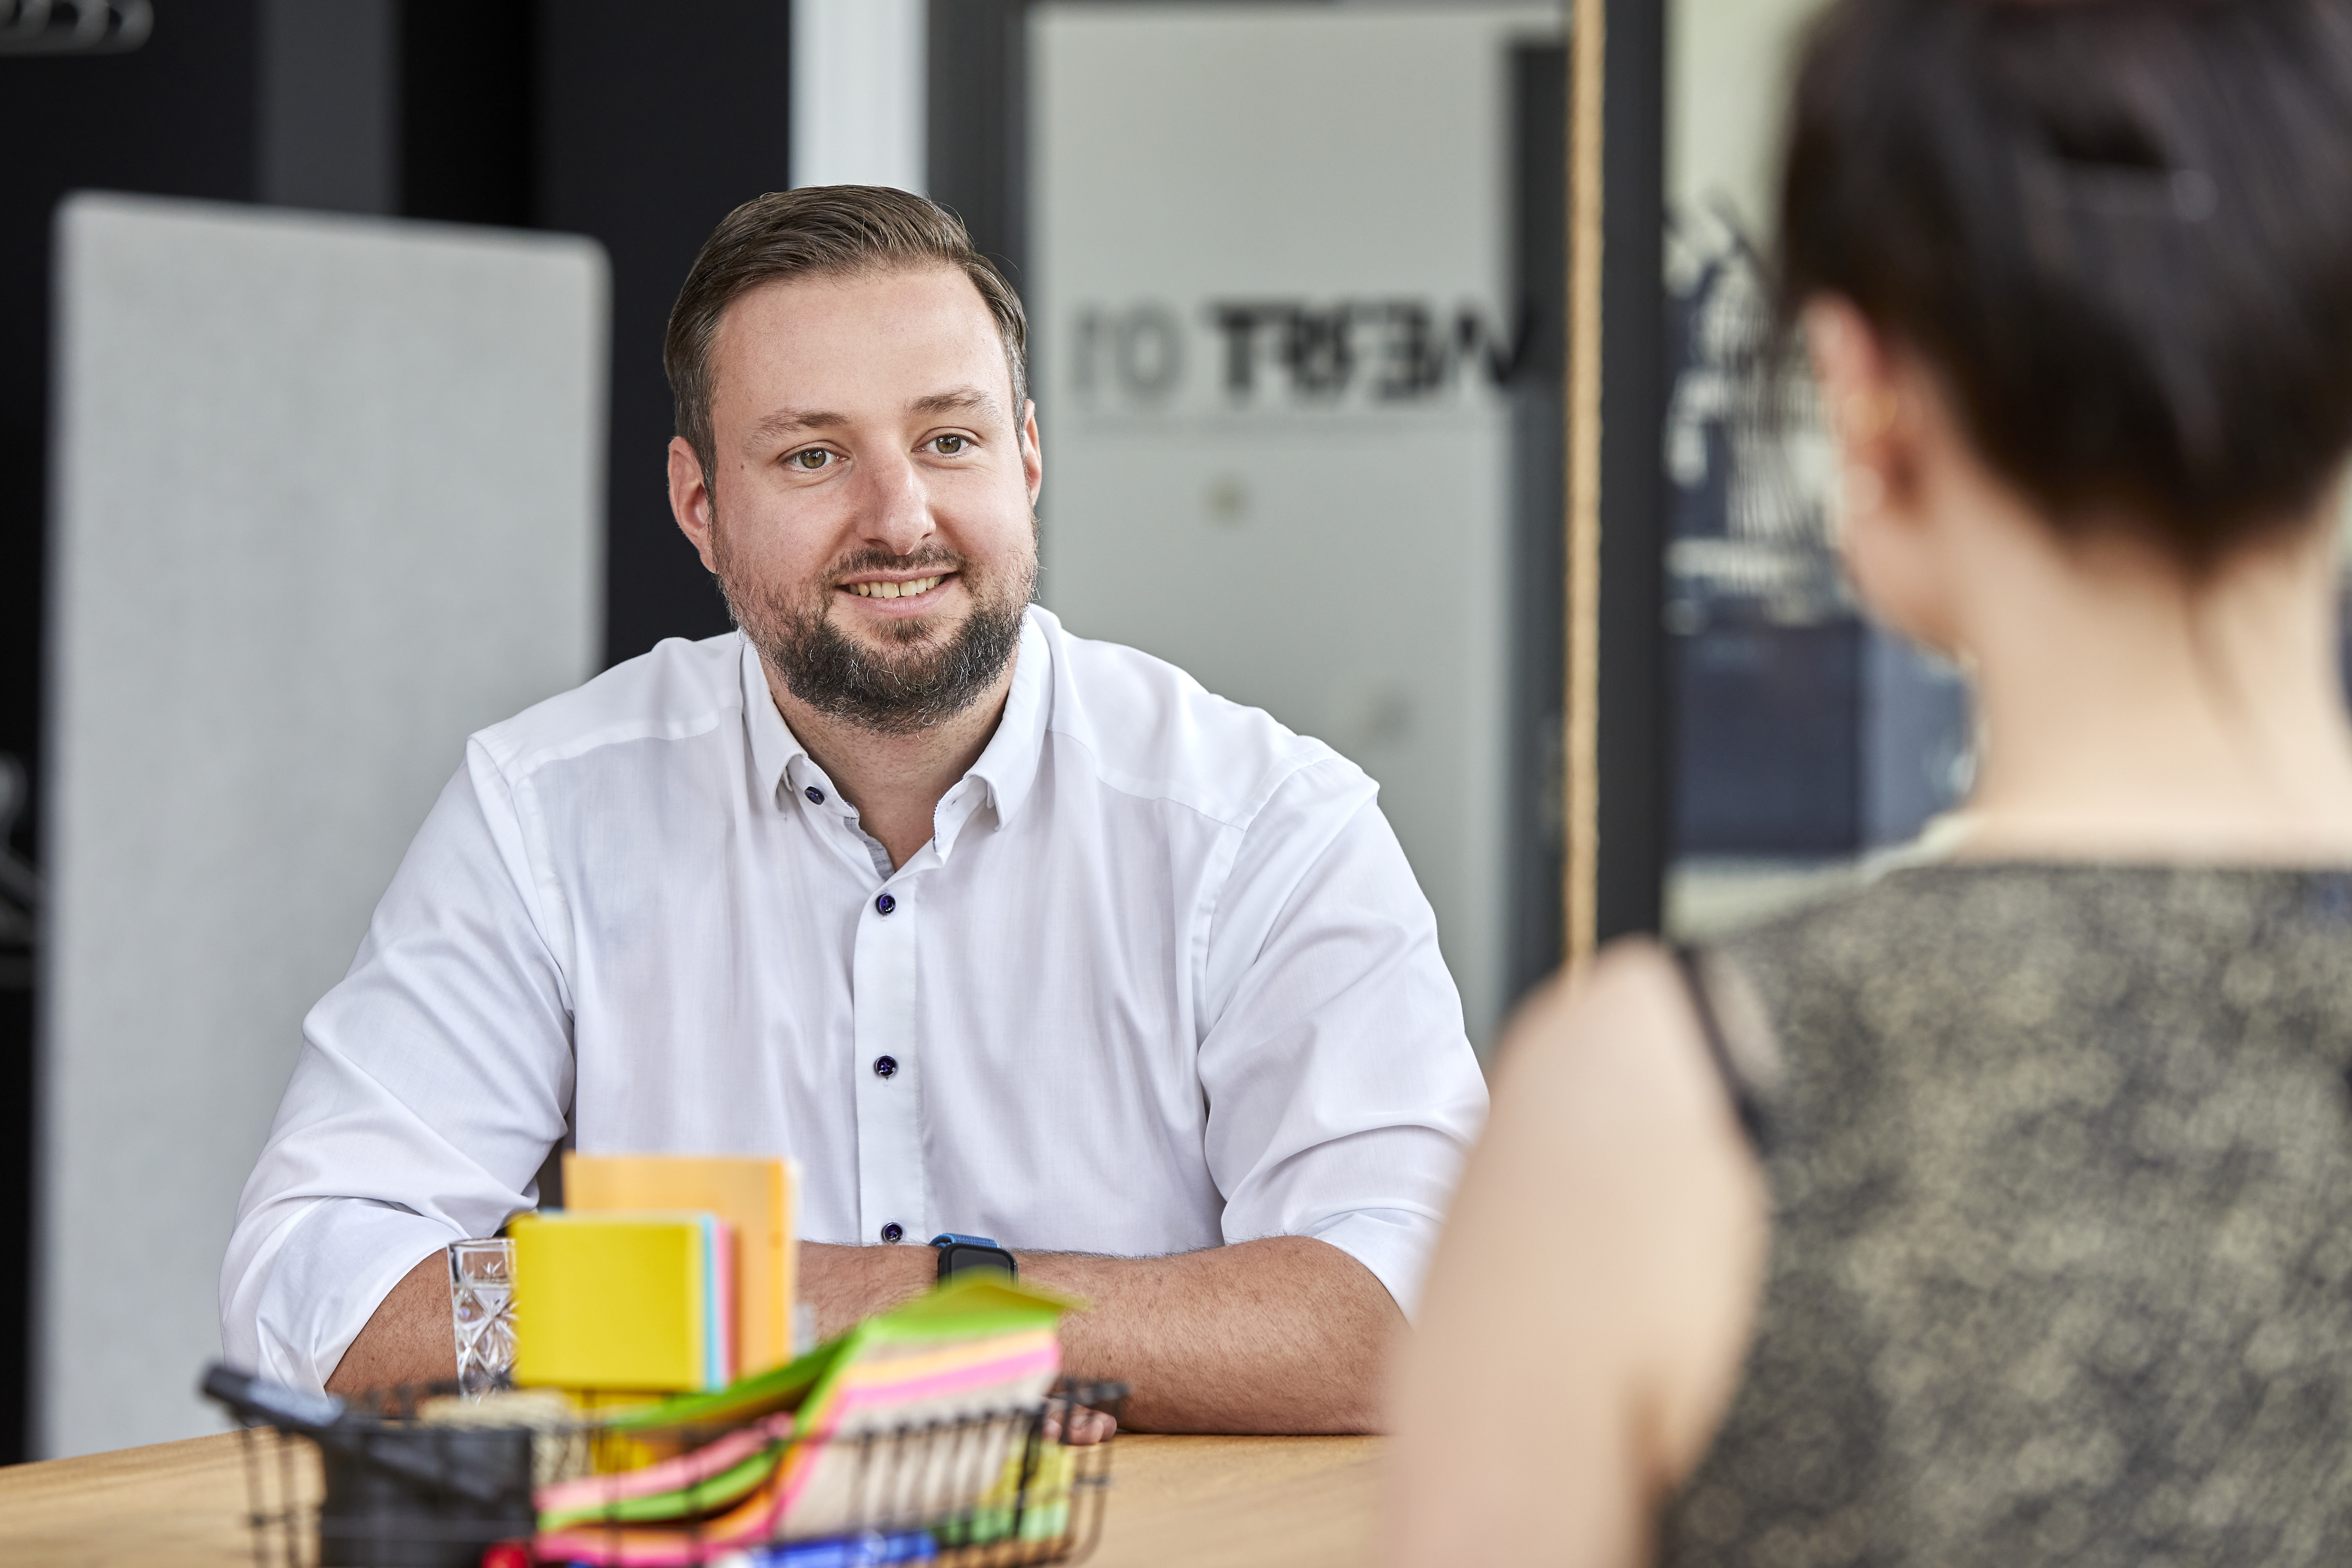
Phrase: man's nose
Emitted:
{"points": [[896, 511]]}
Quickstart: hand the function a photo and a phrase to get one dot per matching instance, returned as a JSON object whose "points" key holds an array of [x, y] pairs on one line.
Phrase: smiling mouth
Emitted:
{"points": [[906, 590]]}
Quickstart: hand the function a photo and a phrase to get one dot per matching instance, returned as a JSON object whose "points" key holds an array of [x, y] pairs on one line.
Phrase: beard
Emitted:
{"points": [[928, 673]]}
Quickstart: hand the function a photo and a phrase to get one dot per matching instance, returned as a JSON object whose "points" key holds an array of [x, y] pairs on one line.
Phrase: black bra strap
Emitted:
{"points": [[1744, 1103]]}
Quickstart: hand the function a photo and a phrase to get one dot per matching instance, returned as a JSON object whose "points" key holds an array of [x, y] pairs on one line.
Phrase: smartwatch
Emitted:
{"points": [[958, 1253]]}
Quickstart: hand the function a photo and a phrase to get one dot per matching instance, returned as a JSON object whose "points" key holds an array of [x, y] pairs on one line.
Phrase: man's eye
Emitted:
{"points": [[812, 460], [948, 445]]}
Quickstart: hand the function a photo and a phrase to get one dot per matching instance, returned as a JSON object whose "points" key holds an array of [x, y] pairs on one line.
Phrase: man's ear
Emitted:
{"points": [[690, 498], [1032, 460]]}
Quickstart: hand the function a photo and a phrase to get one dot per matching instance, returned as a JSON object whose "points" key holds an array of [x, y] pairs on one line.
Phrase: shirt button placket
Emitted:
{"points": [[891, 1189]]}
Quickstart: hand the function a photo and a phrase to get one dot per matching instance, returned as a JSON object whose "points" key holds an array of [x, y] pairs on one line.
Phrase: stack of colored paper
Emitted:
{"points": [[752, 1196], [642, 1301], [889, 1428]]}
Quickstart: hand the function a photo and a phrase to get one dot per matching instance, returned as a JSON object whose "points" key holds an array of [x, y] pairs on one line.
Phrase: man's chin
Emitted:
{"points": [[885, 638]]}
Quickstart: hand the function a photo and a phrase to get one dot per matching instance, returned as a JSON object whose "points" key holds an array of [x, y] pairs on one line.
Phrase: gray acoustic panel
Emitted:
{"points": [[328, 496]]}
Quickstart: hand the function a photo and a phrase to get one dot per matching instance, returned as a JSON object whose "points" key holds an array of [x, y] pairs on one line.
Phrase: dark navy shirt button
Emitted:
{"points": [[886, 903], [817, 795], [893, 1231], [885, 1067]]}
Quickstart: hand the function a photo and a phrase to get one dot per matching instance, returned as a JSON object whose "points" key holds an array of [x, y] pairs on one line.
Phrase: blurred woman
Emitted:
{"points": [[2000, 1212]]}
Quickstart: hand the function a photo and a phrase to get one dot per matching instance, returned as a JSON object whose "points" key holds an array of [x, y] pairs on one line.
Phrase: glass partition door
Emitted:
{"points": [[1295, 273]]}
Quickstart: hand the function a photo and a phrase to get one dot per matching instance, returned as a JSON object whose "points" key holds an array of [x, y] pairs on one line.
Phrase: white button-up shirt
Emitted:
{"points": [[1161, 979]]}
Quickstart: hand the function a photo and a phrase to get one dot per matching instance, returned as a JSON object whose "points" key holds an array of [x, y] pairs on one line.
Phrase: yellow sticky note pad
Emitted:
{"points": [[622, 1300]]}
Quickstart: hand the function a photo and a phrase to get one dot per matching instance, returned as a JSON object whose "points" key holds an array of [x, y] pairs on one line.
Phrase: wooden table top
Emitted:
{"points": [[1222, 1502]]}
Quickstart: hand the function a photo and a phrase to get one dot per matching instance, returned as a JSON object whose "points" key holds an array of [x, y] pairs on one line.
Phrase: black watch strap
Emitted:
{"points": [[958, 1253]]}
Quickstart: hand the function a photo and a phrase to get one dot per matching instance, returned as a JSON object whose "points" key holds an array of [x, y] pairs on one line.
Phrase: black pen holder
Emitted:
{"points": [[376, 1513]]}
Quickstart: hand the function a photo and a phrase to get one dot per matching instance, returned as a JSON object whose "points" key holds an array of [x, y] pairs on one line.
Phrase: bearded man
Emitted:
{"points": [[995, 929]]}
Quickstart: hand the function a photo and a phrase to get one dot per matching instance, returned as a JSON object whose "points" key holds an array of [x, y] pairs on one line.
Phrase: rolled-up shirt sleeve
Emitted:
{"points": [[1342, 1092], [432, 1082]]}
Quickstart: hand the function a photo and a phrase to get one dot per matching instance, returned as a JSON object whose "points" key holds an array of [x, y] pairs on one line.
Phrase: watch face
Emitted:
{"points": [[958, 1257]]}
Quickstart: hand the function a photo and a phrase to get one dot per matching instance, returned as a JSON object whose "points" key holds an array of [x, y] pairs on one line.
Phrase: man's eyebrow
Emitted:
{"points": [[793, 421], [789, 421], [963, 399]]}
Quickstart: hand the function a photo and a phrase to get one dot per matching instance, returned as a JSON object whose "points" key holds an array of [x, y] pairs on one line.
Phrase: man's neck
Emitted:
{"points": [[895, 781]]}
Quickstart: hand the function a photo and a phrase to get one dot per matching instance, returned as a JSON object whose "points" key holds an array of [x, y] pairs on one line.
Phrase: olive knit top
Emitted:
{"points": [[2061, 1269]]}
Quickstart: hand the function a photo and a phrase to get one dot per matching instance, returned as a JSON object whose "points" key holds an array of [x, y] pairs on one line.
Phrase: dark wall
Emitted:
{"points": [[653, 122], [641, 127], [976, 151], [466, 111]]}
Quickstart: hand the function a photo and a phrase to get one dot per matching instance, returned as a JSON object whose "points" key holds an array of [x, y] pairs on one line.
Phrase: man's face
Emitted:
{"points": [[868, 512]]}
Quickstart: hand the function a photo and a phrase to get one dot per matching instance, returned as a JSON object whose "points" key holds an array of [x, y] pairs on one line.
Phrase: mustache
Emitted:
{"points": [[930, 556]]}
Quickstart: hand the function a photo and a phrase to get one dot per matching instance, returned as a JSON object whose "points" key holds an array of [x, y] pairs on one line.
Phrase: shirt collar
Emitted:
{"points": [[773, 744], [1007, 768], [1001, 778]]}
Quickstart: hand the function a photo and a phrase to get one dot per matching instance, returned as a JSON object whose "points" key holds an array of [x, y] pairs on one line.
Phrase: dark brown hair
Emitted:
{"points": [[812, 232], [2121, 230]]}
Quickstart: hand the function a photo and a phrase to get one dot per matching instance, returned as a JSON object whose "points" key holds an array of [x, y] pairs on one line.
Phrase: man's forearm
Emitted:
{"points": [[410, 1339], [1284, 1334]]}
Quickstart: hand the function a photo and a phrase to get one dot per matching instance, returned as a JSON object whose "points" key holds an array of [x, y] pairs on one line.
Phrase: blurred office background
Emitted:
{"points": [[1805, 740], [338, 433]]}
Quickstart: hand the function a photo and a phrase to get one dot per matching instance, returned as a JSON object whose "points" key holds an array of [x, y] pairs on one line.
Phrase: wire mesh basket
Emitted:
{"points": [[388, 1485]]}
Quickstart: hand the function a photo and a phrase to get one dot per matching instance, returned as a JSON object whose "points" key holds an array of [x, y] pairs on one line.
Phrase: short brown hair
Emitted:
{"points": [[812, 232]]}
